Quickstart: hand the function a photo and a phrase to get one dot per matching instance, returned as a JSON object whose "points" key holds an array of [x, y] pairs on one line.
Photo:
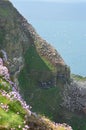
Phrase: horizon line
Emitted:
{"points": [[52, 1]]}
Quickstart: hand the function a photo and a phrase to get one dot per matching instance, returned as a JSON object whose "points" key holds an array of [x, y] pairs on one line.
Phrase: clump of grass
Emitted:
{"points": [[14, 116], [43, 123], [11, 111], [4, 85], [50, 65], [78, 77], [33, 61], [44, 101], [10, 119]]}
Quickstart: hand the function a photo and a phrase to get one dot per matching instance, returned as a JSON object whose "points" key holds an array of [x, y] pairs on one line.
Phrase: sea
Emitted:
{"points": [[69, 39]]}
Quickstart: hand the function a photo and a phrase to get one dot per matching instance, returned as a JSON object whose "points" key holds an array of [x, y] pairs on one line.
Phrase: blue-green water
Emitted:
{"points": [[69, 38]]}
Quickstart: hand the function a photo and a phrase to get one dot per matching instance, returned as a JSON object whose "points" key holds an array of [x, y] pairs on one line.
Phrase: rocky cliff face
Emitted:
{"points": [[23, 50], [14, 40], [32, 62], [17, 35], [74, 96], [41, 74]]}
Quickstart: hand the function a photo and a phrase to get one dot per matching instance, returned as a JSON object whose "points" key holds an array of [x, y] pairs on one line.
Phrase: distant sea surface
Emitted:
{"points": [[68, 38]]}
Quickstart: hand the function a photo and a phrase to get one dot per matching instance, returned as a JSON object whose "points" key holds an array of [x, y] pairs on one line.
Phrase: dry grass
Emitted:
{"points": [[43, 123]]}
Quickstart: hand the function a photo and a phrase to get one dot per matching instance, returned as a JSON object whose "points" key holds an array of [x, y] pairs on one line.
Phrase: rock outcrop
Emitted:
{"points": [[32, 62], [75, 96], [17, 35], [40, 73]]}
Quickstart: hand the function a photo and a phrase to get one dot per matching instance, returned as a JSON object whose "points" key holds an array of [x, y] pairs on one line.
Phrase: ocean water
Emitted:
{"points": [[69, 39]]}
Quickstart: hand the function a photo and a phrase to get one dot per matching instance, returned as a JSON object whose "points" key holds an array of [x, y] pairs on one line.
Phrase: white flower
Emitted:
{"points": [[19, 126]]}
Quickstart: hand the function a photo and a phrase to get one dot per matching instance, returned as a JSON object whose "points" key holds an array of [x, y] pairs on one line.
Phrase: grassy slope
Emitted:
{"points": [[8, 119], [6, 17], [76, 120], [11, 120], [78, 77], [36, 98], [44, 101]]}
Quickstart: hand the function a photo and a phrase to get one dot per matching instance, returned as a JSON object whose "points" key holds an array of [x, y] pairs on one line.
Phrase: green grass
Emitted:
{"points": [[34, 62], [78, 122], [10, 119], [4, 99], [47, 62], [2, 34], [4, 12], [4, 85], [5, 9], [78, 77], [44, 101]]}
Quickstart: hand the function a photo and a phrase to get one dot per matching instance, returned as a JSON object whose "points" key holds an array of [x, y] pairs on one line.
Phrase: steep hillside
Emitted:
{"points": [[15, 114], [41, 75], [42, 71], [17, 36]]}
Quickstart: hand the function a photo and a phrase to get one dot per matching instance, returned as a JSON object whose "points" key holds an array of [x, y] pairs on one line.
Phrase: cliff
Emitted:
{"points": [[17, 36], [15, 114], [42, 78], [33, 63]]}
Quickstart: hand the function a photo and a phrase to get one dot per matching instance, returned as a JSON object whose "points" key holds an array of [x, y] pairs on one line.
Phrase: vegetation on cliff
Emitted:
{"points": [[37, 62], [15, 114], [37, 84], [78, 77], [41, 74]]}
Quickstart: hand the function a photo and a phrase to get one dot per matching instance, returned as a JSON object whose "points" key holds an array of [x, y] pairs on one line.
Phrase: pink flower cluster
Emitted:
{"points": [[15, 96], [3, 70]]}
